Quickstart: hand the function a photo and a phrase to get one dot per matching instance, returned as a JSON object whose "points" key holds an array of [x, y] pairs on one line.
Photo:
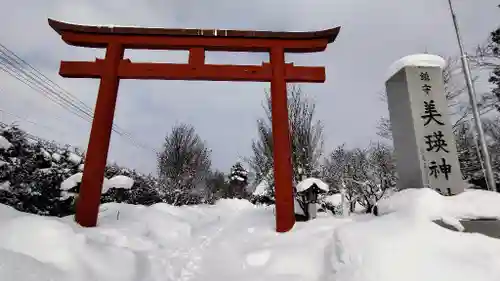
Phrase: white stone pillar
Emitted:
{"points": [[424, 142]]}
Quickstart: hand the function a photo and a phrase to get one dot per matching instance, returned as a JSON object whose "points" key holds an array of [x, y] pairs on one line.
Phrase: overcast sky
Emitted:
{"points": [[374, 34]]}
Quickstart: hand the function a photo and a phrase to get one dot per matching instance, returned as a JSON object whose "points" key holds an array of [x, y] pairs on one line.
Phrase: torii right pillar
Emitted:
{"points": [[424, 142]]}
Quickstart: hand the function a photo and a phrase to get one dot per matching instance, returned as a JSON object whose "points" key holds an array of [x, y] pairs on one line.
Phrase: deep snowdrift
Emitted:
{"points": [[428, 205], [235, 240]]}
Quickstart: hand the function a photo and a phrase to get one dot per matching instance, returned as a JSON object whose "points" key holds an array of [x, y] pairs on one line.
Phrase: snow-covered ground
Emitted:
{"points": [[235, 240]]}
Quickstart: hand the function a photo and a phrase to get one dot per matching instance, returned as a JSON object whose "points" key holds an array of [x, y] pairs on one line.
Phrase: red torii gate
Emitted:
{"points": [[114, 67]]}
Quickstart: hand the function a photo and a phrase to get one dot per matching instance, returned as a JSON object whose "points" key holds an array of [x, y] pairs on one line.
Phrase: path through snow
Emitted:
{"points": [[235, 240]]}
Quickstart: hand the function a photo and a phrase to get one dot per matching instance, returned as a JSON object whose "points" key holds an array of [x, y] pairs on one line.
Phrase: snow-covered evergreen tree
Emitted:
{"points": [[238, 174], [238, 182]]}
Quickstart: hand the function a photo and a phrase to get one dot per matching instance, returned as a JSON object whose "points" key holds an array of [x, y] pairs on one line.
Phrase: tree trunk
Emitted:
{"points": [[369, 208], [352, 206]]}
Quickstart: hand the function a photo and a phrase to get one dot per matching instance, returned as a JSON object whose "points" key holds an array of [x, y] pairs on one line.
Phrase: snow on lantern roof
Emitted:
{"points": [[310, 182]]}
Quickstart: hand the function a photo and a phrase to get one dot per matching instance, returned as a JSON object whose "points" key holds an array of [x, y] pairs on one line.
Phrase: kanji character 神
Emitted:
{"points": [[443, 168]]}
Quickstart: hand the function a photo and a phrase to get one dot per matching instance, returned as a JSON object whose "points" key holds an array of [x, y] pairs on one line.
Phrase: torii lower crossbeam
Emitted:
{"points": [[114, 67], [170, 71]]}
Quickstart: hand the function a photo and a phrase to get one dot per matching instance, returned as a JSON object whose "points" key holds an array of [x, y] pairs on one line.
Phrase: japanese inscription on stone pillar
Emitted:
{"points": [[433, 149]]}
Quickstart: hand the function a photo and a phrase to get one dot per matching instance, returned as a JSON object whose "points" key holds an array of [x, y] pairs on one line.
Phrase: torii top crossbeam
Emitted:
{"points": [[167, 38]]}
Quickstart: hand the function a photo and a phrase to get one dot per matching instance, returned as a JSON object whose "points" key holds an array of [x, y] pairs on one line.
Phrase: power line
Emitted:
{"points": [[27, 74], [21, 70], [44, 78], [11, 69]]}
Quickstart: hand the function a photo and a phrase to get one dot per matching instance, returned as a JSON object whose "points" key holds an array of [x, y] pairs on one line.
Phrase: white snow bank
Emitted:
{"points": [[232, 240], [45, 240], [7, 212], [424, 60], [430, 205], [309, 182], [15, 266], [235, 240], [4, 143], [56, 245], [390, 248]]}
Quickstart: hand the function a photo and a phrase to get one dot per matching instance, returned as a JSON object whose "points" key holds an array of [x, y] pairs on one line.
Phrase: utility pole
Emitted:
{"points": [[490, 179]]}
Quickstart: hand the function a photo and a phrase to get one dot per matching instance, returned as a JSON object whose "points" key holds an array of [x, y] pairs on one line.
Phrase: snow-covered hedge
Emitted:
{"points": [[43, 178]]}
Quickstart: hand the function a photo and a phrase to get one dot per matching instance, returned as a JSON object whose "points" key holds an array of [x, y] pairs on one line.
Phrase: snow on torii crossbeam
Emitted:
{"points": [[197, 41]]}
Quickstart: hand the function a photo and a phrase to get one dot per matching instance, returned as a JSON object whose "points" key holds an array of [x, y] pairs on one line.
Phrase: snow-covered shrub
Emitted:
{"points": [[130, 186], [42, 177], [33, 172]]}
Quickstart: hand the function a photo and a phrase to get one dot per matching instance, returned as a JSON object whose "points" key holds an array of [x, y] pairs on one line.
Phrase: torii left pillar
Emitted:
{"points": [[97, 152], [197, 41]]}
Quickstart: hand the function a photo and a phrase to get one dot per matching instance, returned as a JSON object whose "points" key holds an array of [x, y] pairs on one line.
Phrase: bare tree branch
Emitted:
{"points": [[184, 164], [367, 174], [306, 138]]}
